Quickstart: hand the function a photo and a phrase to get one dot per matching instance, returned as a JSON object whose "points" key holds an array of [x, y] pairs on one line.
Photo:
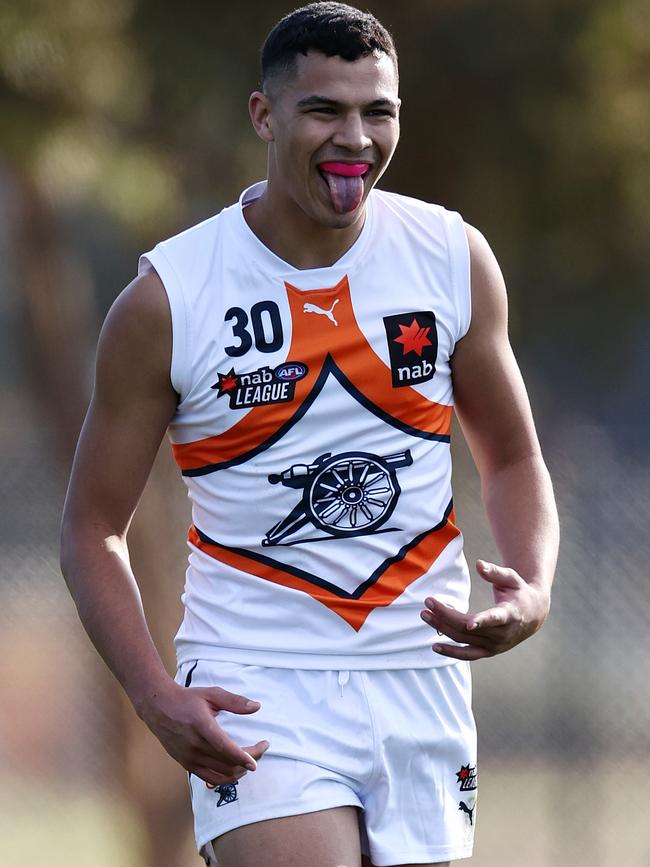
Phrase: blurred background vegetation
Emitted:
{"points": [[125, 121]]}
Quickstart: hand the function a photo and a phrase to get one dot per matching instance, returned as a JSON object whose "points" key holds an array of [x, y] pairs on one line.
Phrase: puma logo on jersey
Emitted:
{"points": [[312, 308]]}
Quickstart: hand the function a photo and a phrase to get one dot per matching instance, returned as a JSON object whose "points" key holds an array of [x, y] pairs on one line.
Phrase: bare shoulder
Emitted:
{"points": [[489, 297], [132, 404], [140, 311], [489, 393], [135, 344]]}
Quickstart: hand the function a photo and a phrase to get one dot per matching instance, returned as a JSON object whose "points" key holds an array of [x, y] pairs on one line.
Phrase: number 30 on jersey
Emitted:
{"points": [[264, 321]]}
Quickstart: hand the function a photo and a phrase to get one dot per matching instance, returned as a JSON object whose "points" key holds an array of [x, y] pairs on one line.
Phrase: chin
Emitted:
{"points": [[332, 220]]}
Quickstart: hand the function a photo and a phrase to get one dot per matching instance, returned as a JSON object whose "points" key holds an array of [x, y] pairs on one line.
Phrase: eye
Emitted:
{"points": [[380, 112], [323, 109]]}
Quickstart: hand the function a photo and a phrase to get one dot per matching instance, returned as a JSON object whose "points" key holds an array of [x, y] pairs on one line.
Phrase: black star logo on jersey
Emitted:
{"points": [[227, 382]]}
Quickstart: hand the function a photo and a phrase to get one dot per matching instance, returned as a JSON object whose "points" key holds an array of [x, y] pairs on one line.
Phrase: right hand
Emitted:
{"points": [[183, 721]]}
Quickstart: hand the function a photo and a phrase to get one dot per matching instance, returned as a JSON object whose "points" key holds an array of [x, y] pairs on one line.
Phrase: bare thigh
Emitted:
{"points": [[328, 838], [365, 862]]}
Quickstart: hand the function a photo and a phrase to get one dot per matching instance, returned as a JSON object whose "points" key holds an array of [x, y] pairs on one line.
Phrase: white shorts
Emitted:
{"points": [[400, 745]]}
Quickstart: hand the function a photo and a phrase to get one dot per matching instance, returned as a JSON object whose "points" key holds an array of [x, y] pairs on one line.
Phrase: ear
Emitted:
{"points": [[259, 108]]}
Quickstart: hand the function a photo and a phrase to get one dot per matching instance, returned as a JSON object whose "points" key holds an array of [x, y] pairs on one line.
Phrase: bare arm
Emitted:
{"points": [[495, 416], [131, 407]]}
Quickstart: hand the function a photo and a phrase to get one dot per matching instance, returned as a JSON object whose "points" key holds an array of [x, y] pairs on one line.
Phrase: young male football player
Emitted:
{"points": [[305, 348]]}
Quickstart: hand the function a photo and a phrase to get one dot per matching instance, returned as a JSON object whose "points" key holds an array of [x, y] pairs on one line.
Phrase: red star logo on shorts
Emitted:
{"points": [[467, 778], [413, 338]]}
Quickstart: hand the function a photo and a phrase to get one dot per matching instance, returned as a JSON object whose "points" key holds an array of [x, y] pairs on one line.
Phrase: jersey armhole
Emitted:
{"points": [[459, 266], [180, 363]]}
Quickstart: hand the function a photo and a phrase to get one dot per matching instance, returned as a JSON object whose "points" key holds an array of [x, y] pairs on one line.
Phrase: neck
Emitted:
{"points": [[290, 234]]}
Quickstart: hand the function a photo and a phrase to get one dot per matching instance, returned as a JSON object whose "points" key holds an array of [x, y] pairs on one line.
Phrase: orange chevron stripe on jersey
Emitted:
{"points": [[353, 608], [316, 340]]}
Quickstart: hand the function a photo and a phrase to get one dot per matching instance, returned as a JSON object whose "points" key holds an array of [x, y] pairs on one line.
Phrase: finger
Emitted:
{"points": [[470, 653], [498, 575], [212, 779], [463, 637], [497, 616], [444, 614], [257, 750], [219, 773], [221, 699], [208, 762], [217, 744], [459, 630]]}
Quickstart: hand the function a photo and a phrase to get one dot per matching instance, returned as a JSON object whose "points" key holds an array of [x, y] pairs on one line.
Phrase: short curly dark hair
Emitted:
{"points": [[335, 29]]}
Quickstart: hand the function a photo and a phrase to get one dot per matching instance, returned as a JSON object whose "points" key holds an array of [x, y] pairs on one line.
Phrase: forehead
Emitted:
{"points": [[366, 79]]}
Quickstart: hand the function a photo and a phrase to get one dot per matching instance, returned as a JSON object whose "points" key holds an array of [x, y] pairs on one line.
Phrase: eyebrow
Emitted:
{"points": [[309, 101]]}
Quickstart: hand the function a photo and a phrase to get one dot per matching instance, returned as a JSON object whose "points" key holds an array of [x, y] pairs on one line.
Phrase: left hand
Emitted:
{"points": [[520, 610]]}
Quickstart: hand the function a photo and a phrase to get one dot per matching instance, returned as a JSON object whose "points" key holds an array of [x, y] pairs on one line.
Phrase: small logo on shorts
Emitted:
{"points": [[467, 778], [227, 793], [468, 810]]}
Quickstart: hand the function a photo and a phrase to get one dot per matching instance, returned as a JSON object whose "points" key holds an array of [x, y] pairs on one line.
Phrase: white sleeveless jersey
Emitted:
{"points": [[313, 435]]}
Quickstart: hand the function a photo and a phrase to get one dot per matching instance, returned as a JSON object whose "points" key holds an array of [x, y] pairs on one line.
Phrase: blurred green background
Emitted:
{"points": [[125, 121]]}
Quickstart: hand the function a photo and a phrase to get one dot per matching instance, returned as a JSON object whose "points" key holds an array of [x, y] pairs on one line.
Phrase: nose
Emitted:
{"points": [[351, 133]]}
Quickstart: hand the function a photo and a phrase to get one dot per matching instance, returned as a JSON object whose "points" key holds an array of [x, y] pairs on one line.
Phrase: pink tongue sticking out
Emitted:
{"points": [[345, 182]]}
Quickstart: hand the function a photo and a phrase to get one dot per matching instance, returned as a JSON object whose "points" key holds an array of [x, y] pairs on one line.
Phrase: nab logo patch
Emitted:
{"points": [[413, 347], [467, 778], [260, 387]]}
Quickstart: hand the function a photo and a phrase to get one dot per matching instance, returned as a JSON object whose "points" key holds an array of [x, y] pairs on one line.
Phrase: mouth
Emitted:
{"points": [[344, 183]]}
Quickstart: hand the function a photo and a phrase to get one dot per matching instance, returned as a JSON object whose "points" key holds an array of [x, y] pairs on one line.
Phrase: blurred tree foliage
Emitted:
{"points": [[532, 119]]}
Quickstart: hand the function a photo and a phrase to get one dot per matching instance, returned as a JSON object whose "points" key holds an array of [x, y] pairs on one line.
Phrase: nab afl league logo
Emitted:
{"points": [[413, 347]]}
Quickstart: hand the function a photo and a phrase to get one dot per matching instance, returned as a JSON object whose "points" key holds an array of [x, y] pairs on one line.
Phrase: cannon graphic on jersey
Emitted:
{"points": [[349, 494]]}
